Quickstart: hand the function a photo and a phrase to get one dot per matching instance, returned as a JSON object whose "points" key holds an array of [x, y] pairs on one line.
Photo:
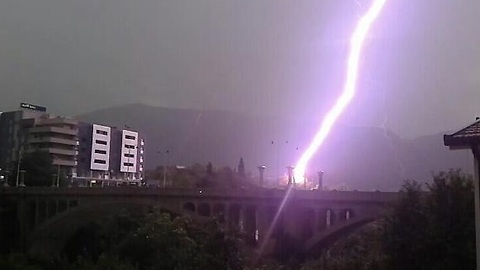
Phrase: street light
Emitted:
{"points": [[291, 181], [165, 169], [6, 174], [320, 180], [261, 170], [2, 177], [280, 149], [22, 178], [18, 166], [58, 176]]}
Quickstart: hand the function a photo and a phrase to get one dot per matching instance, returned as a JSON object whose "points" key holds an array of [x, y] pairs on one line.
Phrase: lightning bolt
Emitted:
{"points": [[356, 44]]}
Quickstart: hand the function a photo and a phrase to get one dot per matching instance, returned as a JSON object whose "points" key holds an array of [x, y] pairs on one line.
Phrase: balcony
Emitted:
{"points": [[58, 130], [63, 162], [58, 151], [71, 142], [58, 121]]}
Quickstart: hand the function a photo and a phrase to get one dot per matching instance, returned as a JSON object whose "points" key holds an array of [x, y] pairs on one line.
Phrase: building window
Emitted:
{"points": [[128, 164], [103, 152], [101, 142], [129, 155], [128, 146], [130, 137], [102, 132], [100, 161]]}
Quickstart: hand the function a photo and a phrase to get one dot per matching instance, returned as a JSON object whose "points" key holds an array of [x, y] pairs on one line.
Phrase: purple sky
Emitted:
{"points": [[420, 71]]}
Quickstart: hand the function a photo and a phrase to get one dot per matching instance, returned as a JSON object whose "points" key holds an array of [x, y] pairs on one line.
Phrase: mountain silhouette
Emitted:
{"points": [[361, 158]]}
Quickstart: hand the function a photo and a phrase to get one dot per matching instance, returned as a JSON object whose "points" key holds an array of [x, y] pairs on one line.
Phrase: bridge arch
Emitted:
{"points": [[346, 214], [189, 207], [328, 236]]}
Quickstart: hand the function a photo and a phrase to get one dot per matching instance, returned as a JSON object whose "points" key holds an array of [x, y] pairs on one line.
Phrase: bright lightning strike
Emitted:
{"points": [[356, 43]]}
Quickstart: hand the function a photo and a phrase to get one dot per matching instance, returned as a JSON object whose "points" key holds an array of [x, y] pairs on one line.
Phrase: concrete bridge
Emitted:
{"points": [[47, 217]]}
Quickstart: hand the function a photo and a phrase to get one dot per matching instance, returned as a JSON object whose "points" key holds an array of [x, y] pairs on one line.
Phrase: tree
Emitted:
{"points": [[434, 230], [241, 168], [361, 250], [210, 169], [155, 240], [38, 167], [18, 262], [166, 243]]}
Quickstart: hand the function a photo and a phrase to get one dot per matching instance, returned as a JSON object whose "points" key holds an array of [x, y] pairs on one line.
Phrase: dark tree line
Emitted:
{"points": [[37, 167], [144, 242], [432, 228], [429, 227], [206, 176]]}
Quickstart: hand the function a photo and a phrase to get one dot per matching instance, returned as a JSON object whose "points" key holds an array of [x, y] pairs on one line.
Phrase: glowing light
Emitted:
{"points": [[356, 43]]}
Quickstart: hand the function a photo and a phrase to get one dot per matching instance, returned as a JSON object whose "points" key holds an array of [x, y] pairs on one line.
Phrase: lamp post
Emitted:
{"points": [[22, 178], [5, 175], [54, 177], [280, 150], [165, 169], [2, 177], [320, 180], [58, 176], [261, 170], [290, 175], [18, 166]]}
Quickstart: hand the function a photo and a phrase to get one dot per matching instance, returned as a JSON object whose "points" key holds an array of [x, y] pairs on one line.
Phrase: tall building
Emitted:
{"points": [[80, 150], [108, 153], [14, 132], [58, 137]]}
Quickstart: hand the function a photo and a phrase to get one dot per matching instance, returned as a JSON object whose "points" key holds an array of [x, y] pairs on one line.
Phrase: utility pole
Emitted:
{"points": [[58, 175], [18, 165], [165, 169], [261, 170]]}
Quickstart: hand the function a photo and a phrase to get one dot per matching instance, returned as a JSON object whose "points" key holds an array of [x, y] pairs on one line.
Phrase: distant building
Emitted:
{"points": [[14, 133], [80, 150], [110, 153]]}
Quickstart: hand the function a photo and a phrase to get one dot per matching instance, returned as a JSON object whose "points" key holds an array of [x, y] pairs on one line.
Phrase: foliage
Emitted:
{"points": [[38, 166], [102, 263], [361, 250], [434, 230], [18, 262], [241, 168], [209, 169], [181, 244], [199, 176], [157, 241]]}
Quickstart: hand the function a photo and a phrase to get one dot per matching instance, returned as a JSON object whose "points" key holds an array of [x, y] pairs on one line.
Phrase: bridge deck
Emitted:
{"points": [[360, 196]]}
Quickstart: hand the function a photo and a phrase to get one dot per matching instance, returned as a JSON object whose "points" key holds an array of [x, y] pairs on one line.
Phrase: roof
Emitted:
{"points": [[466, 137]]}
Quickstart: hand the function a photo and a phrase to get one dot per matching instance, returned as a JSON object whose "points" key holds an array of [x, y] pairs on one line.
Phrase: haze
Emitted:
{"points": [[420, 72]]}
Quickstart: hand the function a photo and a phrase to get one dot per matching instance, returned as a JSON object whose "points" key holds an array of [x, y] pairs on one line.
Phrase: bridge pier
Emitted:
{"points": [[250, 224], [262, 223]]}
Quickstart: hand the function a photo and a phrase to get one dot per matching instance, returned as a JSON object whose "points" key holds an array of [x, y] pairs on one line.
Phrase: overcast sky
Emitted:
{"points": [[420, 71]]}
